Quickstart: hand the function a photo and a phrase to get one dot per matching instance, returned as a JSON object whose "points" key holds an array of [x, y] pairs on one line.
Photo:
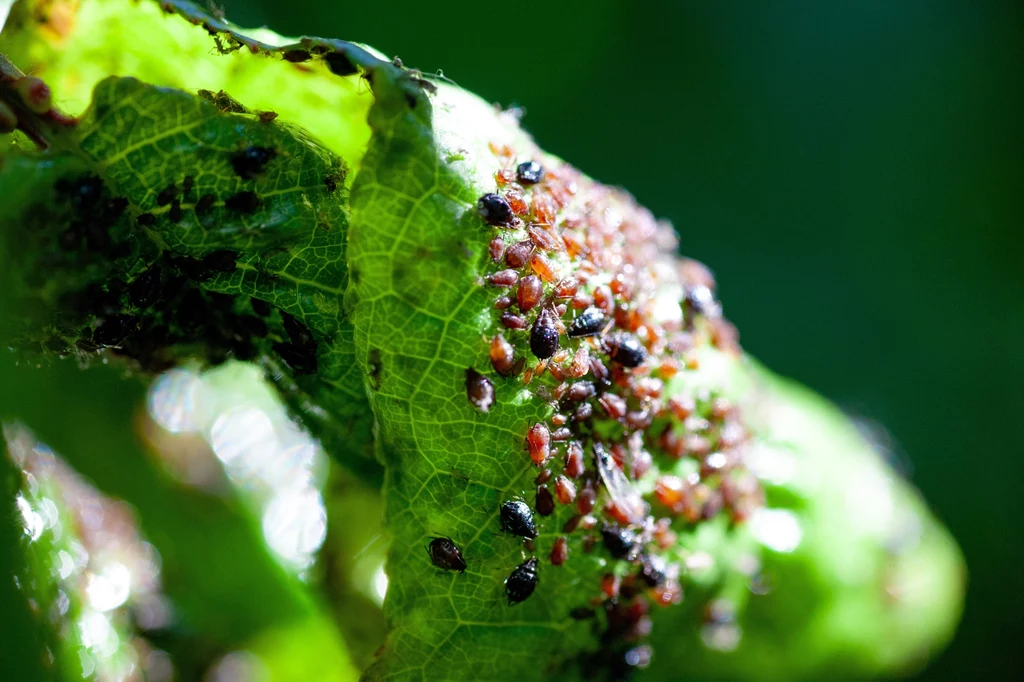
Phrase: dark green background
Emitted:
{"points": [[854, 174]]}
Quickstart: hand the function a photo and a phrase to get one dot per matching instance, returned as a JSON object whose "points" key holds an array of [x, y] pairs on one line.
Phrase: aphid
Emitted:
{"points": [[610, 584], [588, 323], [339, 63], [567, 287], [544, 335], [445, 554], [538, 442], [503, 278], [204, 204], [146, 219], [559, 551], [543, 239], [561, 434], [627, 505], [496, 249], [503, 302], [251, 161], [613, 405], [166, 196], [297, 56], [582, 613], [620, 542], [542, 266], [494, 209], [517, 519], [502, 356], [625, 349], [700, 300], [543, 477], [479, 390], [522, 582], [529, 173], [243, 202], [512, 321], [518, 255], [586, 499], [332, 179], [175, 211], [84, 192], [565, 490], [529, 293], [574, 465], [580, 391], [544, 501], [514, 197]]}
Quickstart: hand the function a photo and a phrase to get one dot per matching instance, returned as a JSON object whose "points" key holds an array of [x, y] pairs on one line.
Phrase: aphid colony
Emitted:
{"points": [[164, 306], [580, 274]]}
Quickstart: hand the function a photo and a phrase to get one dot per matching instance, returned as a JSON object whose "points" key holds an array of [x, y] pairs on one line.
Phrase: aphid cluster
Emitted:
{"points": [[580, 275]]}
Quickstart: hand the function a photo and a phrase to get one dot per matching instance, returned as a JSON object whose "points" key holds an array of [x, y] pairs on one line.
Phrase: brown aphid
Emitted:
{"points": [[572, 524], [518, 255], [559, 551], [544, 208], [603, 299], [613, 405], [538, 441], [580, 391], [558, 419], [543, 477], [580, 362], [561, 434], [512, 321], [529, 293], [502, 356], [544, 503], [610, 584], [584, 412], [479, 390], [542, 266], [565, 490], [586, 499], [497, 249], [543, 239], [503, 302], [574, 464], [445, 554], [566, 287], [516, 200], [503, 278]]}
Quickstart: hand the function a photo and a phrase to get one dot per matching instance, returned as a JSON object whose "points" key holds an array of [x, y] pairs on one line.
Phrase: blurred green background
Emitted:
{"points": [[854, 174]]}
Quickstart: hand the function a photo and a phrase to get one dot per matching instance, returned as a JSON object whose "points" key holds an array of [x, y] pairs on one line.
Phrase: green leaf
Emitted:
{"points": [[395, 292]]}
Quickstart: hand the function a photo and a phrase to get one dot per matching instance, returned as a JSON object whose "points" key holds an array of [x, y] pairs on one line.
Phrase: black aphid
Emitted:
{"points": [[339, 64], [544, 335], [175, 211], [529, 173], [517, 519], [495, 210], [251, 161], [167, 195], [204, 204], [619, 541], [626, 350], [84, 192], [297, 56], [302, 359], [590, 322], [445, 554], [479, 390], [243, 202], [146, 219], [260, 307], [522, 581]]}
